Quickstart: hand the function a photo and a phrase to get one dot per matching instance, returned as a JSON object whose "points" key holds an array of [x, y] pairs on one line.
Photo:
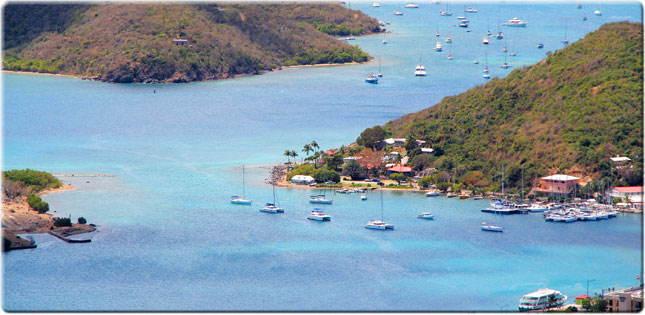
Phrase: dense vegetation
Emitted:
{"points": [[128, 42], [566, 114], [37, 204], [27, 182]]}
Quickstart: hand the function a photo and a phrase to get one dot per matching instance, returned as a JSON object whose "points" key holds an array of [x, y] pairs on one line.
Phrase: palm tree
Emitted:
{"points": [[287, 153], [306, 149], [314, 145], [293, 155]]}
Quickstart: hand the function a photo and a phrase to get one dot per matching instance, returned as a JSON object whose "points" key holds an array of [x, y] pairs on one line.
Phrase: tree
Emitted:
{"points": [[425, 181], [324, 175], [287, 153], [306, 149], [354, 170], [63, 222], [410, 143], [370, 136], [82, 220], [334, 161], [398, 177], [315, 146], [276, 173], [12, 190], [293, 155]]}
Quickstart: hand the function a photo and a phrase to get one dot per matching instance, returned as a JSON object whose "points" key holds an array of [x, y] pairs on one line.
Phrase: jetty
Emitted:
{"points": [[67, 239]]}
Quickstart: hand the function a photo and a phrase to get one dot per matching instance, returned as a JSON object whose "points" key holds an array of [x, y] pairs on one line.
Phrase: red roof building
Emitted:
{"points": [[400, 169], [330, 152]]}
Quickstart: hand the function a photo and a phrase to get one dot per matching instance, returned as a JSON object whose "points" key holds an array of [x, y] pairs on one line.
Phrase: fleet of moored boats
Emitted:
{"points": [[420, 70]]}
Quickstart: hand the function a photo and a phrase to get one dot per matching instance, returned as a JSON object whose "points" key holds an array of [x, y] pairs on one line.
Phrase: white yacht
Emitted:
{"points": [[539, 300], [363, 197], [433, 193], [491, 228], [536, 207], [420, 70], [438, 47], [448, 40], [320, 199], [445, 13], [271, 208], [411, 6], [378, 225], [376, 5], [597, 12], [470, 10], [426, 216], [398, 13], [485, 41], [515, 22], [240, 200], [318, 215]]}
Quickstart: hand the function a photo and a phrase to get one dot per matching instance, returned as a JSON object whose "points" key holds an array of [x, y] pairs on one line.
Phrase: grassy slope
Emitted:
{"points": [[568, 113], [124, 42]]}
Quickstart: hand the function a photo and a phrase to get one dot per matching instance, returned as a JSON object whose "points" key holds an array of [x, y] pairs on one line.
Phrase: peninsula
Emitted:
{"points": [[162, 42]]}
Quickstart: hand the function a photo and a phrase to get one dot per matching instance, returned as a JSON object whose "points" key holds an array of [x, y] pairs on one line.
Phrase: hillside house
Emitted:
{"points": [[556, 184], [180, 42]]}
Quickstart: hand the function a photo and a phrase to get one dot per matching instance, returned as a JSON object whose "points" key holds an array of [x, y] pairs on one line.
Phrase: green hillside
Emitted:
{"points": [[569, 113], [132, 42]]}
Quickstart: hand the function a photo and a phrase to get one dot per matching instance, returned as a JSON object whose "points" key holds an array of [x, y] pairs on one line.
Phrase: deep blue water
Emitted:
{"points": [[168, 238]]}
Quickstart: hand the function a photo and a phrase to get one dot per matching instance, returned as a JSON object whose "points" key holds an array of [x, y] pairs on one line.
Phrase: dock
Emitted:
{"points": [[67, 239]]}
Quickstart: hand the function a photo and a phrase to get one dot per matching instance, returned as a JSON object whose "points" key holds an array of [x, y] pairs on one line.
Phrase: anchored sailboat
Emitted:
{"points": [[236, 199]]}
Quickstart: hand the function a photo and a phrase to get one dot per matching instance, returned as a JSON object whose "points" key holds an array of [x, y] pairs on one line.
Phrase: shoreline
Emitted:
{"points": [[19, 218]]}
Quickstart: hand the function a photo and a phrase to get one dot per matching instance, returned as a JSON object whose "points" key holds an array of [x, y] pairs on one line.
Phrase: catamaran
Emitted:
{"points": [[318, 215], [379, 224], [271, 207], [236, 199]]}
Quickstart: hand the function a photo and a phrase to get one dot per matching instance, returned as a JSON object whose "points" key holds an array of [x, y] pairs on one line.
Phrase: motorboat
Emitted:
{"points": [[376, 5], [320, 199], [515, 22], [398, 13], [542, 299], [470, 10], [478, 197], [426, 216], [411, 6], [499, 35], [271, 208], [491, 228], [384, 41], [372, 78], [420, 73], [485, 41], [363, 197], [451, 195], [536, 208], [476, 61], [433, 194], [448, 40], [438, 47], [318, 215], [597, 12], [445, 13], [540, 45]]}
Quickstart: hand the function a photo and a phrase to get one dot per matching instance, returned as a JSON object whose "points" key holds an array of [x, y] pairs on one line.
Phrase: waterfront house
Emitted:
{"points": [[302, 180], [405, 170], [556, 184], [633, 193], [625, 300], [180, 42]]}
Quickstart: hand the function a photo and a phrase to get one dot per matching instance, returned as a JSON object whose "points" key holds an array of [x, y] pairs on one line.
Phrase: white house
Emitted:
{"points": [[302, 180], [634, 193]]}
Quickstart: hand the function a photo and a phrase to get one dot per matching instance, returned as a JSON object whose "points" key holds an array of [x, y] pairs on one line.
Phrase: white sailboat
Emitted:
{"points": [[272, 207], [236, 199], [493, 227], [565, 40], [505, 65], [379, 224], [321, 199], [379, 67], [485, 71], [420, 70]]}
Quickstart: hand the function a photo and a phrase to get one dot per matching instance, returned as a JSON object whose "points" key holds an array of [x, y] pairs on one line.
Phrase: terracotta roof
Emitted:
{"points": [[583, 297], [330, 152], [629, 189], [400, 169]]}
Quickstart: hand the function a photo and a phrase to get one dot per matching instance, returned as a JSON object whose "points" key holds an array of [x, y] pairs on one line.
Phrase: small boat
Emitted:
{"points": [[485, 41], [451, 195], [464, 196], [271, 208], [363, 197], [320, 199], [379, 224], [463, 24], [433, 194], [411, 6], [420, 70], [398, 13], [536, 208], [379, 68], [240, 200], [318, 215], [470, 10], [476, 61], [376, 5], [565, 40], [492, 228], [449, 57], [540, 45], [499, 35], [461, 18], [468, 30], [426, 216], [486, 76], [445, 13], [541, 300], [478, 198], [448, 40], [438, 47], [372, 78], [578, 6], [515, 22], [584, 17], [384, 41], [597, 12], [437, 33]]}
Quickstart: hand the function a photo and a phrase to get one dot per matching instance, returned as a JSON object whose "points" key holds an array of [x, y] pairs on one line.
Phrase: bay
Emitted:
{"points": [[169, 239]]}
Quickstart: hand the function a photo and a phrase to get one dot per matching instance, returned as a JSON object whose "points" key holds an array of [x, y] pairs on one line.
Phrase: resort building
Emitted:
{"points": [[634, 194], [556, 184], [405, 170], [302, 180], [626, 300], [180, 42]]}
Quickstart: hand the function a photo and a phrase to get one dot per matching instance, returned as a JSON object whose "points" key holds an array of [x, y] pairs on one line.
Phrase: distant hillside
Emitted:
{"points": [[569, 113], [132, 42]]}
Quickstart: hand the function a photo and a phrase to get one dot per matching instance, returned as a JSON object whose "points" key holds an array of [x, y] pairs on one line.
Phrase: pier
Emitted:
{"points": [[67, 239], [83, 175]]}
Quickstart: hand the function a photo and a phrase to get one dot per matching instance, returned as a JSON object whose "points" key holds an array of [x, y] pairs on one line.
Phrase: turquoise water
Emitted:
{"points": [[169, 239]]}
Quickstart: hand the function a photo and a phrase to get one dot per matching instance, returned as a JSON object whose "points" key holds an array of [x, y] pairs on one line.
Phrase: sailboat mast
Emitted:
{"points": [[522, 184], [381, 203], [502, 180], [242, 181]]}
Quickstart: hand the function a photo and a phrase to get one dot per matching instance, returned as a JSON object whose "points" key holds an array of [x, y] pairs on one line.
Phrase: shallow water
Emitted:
{"points": [[169, 239]]}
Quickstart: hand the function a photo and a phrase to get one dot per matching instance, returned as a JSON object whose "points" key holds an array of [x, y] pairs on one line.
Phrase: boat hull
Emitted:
{"points": [[241, 202], [315, 218], [324, 202]]}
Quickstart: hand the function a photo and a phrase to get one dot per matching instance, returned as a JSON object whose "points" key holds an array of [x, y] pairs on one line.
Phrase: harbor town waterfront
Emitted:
{"points": [[168, 237]]}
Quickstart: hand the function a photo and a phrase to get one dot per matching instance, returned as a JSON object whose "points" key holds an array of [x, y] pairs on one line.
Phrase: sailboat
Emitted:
{"points": [[513, 54], [597, 11], [450, 53], [236, 199], [504, 48], [565, 40], [271, 207], [420, 70], [493, 227], [379, 224], [505, 65], [321, 199], [379, 67], [486, 75], [488, 32], [437, 33], [499, 35], [398, 12]]}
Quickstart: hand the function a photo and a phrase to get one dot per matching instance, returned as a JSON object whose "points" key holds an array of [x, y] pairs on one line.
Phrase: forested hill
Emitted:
{"points": [[569, 113], [132, 42]]}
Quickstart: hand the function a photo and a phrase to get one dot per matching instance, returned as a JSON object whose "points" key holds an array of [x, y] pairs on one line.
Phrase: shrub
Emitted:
{"points": [[37, 204], [82, 220], [323, 175], [425, 181], [62, 222]]}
